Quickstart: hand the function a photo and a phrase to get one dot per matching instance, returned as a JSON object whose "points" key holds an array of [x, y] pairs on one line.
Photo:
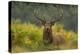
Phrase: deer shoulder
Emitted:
{"points": [[58, 39]]}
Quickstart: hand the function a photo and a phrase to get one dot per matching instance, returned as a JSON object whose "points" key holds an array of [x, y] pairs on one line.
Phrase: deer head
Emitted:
{"points": [[47, 31]]}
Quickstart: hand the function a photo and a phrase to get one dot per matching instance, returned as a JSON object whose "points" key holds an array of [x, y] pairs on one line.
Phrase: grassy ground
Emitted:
{"points": [[29, 37]]}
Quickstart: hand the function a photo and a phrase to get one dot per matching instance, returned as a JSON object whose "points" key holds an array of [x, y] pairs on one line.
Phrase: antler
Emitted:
{"points": [[37, 17], [59, 17]]}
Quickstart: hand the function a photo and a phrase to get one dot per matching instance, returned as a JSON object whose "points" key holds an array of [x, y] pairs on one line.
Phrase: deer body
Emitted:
{"points": [[58, 40]]}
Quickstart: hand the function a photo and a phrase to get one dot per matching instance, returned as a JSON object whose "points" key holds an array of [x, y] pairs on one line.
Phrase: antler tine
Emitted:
{"points": [[61, 12], [52, 19], [35, 14], [61, 15]]}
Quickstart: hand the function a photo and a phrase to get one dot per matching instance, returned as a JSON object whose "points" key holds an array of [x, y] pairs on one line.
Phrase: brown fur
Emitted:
{"points": [[47, 35], [58, 40]]}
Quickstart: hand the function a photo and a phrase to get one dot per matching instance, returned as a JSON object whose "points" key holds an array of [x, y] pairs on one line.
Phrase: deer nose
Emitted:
{"points": [[47, 28]]}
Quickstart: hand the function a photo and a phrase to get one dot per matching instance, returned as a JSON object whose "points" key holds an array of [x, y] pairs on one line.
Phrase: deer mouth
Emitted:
{"points": [[47, 29]]}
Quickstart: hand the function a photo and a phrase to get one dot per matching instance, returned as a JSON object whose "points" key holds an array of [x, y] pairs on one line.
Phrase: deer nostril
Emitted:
{"points": [[47, 29]]}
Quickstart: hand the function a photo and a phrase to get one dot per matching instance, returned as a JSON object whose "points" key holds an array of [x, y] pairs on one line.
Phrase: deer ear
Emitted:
{"points": [[52, 23], [43, 22]]}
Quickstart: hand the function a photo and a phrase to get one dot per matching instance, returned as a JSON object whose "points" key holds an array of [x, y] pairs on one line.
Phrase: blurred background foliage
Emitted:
{"points": [[26, 30]]}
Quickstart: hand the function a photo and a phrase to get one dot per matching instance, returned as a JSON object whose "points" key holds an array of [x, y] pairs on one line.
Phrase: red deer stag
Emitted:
{"points": [[48, 37]]}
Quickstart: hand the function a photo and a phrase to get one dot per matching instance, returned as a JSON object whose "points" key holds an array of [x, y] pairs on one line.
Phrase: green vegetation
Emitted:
{"points": [[29, 37]]}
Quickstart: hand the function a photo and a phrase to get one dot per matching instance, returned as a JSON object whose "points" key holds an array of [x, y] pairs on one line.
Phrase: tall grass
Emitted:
{"points": [[29, 37]]}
